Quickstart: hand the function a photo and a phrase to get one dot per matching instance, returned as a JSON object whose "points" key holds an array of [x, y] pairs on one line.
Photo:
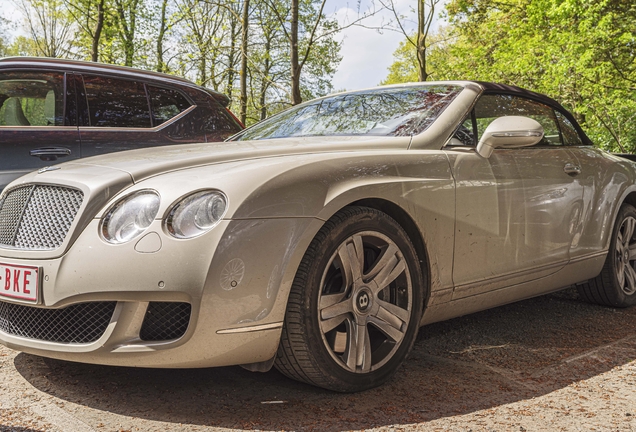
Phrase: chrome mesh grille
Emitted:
{"points": [[81, 323], [11, 211], [38, 216], [165, 321]]}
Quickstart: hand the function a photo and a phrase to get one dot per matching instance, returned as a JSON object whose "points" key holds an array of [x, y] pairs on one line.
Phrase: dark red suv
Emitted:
{"points": [[56, 110]]}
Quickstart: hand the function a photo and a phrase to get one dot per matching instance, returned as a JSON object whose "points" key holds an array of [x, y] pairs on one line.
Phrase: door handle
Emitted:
{"points": [[50, 153], [572, 169]]}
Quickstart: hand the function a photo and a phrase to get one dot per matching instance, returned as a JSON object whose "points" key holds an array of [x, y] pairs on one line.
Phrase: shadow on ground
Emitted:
{"points": [[459, 366]]}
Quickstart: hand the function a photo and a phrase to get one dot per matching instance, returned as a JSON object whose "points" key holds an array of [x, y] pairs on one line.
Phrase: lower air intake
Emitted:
{"points": [[165, 321], [78, 324]]}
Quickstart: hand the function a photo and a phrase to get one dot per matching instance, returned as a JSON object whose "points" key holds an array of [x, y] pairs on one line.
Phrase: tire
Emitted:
{"points": [[332, 304], [616, 285]]}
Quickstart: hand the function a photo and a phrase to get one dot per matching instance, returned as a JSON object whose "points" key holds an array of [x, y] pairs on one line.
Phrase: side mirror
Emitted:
{"points": [[509, 132]]}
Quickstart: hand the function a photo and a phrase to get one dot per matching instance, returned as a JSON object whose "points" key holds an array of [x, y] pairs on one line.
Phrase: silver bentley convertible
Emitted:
{"points": [[317, 241]]}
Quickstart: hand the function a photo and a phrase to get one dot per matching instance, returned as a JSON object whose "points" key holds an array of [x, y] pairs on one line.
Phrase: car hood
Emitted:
{"points": [[144, 163]]}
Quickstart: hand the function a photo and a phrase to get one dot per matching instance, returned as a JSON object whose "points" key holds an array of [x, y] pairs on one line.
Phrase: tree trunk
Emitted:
{"points": [[295, 66], [264, 80], [203, 69], [244, 36], [230, 58], [127, 29], [161, 66], [98, 31], [422, 30]]}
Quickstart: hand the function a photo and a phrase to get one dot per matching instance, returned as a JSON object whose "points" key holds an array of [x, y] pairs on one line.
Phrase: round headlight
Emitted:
{"points": [[130, 216], [196, 214]]}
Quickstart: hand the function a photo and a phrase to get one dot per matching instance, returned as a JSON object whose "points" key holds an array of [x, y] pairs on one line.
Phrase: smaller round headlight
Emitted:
{"points": [[130, 216], [196, 214]]}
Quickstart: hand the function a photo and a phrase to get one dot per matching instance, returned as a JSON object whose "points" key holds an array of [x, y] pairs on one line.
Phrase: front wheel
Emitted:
{"points": [[616, 285], [355, 304]]}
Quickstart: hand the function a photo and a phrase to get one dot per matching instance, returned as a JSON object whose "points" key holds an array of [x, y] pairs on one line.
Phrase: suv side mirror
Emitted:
{"points": [[509, 132]]}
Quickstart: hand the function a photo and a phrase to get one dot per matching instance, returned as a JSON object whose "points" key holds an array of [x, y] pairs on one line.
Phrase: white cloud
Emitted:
{"points": [[367, 54]]}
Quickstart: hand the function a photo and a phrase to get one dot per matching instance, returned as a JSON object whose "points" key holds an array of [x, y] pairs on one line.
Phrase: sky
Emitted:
{"points": [[366, 53]]}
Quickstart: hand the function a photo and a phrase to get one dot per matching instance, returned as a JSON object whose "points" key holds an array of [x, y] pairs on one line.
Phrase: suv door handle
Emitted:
{"points": [[572, 169], [50, 153]]}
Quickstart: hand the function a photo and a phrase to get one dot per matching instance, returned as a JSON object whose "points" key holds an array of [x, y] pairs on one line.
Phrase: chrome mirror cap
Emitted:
{"points": [[509, 132]]}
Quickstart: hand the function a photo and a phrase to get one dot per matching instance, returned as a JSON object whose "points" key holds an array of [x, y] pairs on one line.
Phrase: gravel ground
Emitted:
{"points": [[551, 363]]}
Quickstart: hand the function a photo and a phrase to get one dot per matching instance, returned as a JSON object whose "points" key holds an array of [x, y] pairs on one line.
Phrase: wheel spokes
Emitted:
{"points": [[358, 352], [327, 325], [381, 265], [334, 305], [351, 255], [387, 269], [392, 314], [626, 256], [386, 328], [619, 243], [345, 266], [620, 274], [629, 225], [630, 276]]}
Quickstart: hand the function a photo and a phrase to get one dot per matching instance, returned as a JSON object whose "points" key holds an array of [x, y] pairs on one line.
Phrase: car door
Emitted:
{"points": [[120, 114], [38, 123], [517, 211], [600, 180]]}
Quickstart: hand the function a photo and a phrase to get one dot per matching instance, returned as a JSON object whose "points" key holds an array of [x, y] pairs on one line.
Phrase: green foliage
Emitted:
{"points": [[22, 46], [197, 39], [580, 52], [4, 37], [404, 68]]}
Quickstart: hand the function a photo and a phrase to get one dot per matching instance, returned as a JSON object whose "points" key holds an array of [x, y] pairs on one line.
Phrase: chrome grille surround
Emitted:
{"points": [[81, 323], [38, 217]]}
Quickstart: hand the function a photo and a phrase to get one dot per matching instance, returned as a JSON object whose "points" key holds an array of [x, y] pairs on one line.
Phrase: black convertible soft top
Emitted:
{"points": [[490, 88]]}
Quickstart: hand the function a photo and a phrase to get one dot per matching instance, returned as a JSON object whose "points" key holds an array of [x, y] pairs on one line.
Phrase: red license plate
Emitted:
{"points": [[19, 282]]}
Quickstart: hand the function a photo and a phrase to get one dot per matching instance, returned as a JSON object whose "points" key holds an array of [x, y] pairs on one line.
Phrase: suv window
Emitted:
{"points": [[219, 124], [491, 107], [31, 99], [116, 103], [166, 104]]}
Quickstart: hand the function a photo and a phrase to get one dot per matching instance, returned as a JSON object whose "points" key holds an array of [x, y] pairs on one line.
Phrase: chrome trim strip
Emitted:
{"points": [[64, 65], [271, 326], [138, 129], [41, 128], [480, 283], [588, 256]]}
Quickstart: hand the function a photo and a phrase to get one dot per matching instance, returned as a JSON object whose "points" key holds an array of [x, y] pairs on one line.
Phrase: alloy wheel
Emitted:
{"points": [[625, 256], [365, 302]]}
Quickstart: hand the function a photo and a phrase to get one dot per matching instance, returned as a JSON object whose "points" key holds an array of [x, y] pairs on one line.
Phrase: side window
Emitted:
{"points": [[219, 125], [116, 103], [464, 133], [570, 136], [490, 107], [31, 98], [166, 104]]}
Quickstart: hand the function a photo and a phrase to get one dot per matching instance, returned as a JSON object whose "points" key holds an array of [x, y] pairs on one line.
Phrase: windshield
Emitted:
{"points": [[390, 112]]}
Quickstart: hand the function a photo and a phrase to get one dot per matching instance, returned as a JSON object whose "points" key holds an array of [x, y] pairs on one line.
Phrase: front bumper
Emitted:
{"points": [[237, 290]]}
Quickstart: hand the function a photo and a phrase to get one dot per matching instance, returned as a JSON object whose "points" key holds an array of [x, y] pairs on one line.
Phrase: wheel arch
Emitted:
{"points": [[628, 197]]}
